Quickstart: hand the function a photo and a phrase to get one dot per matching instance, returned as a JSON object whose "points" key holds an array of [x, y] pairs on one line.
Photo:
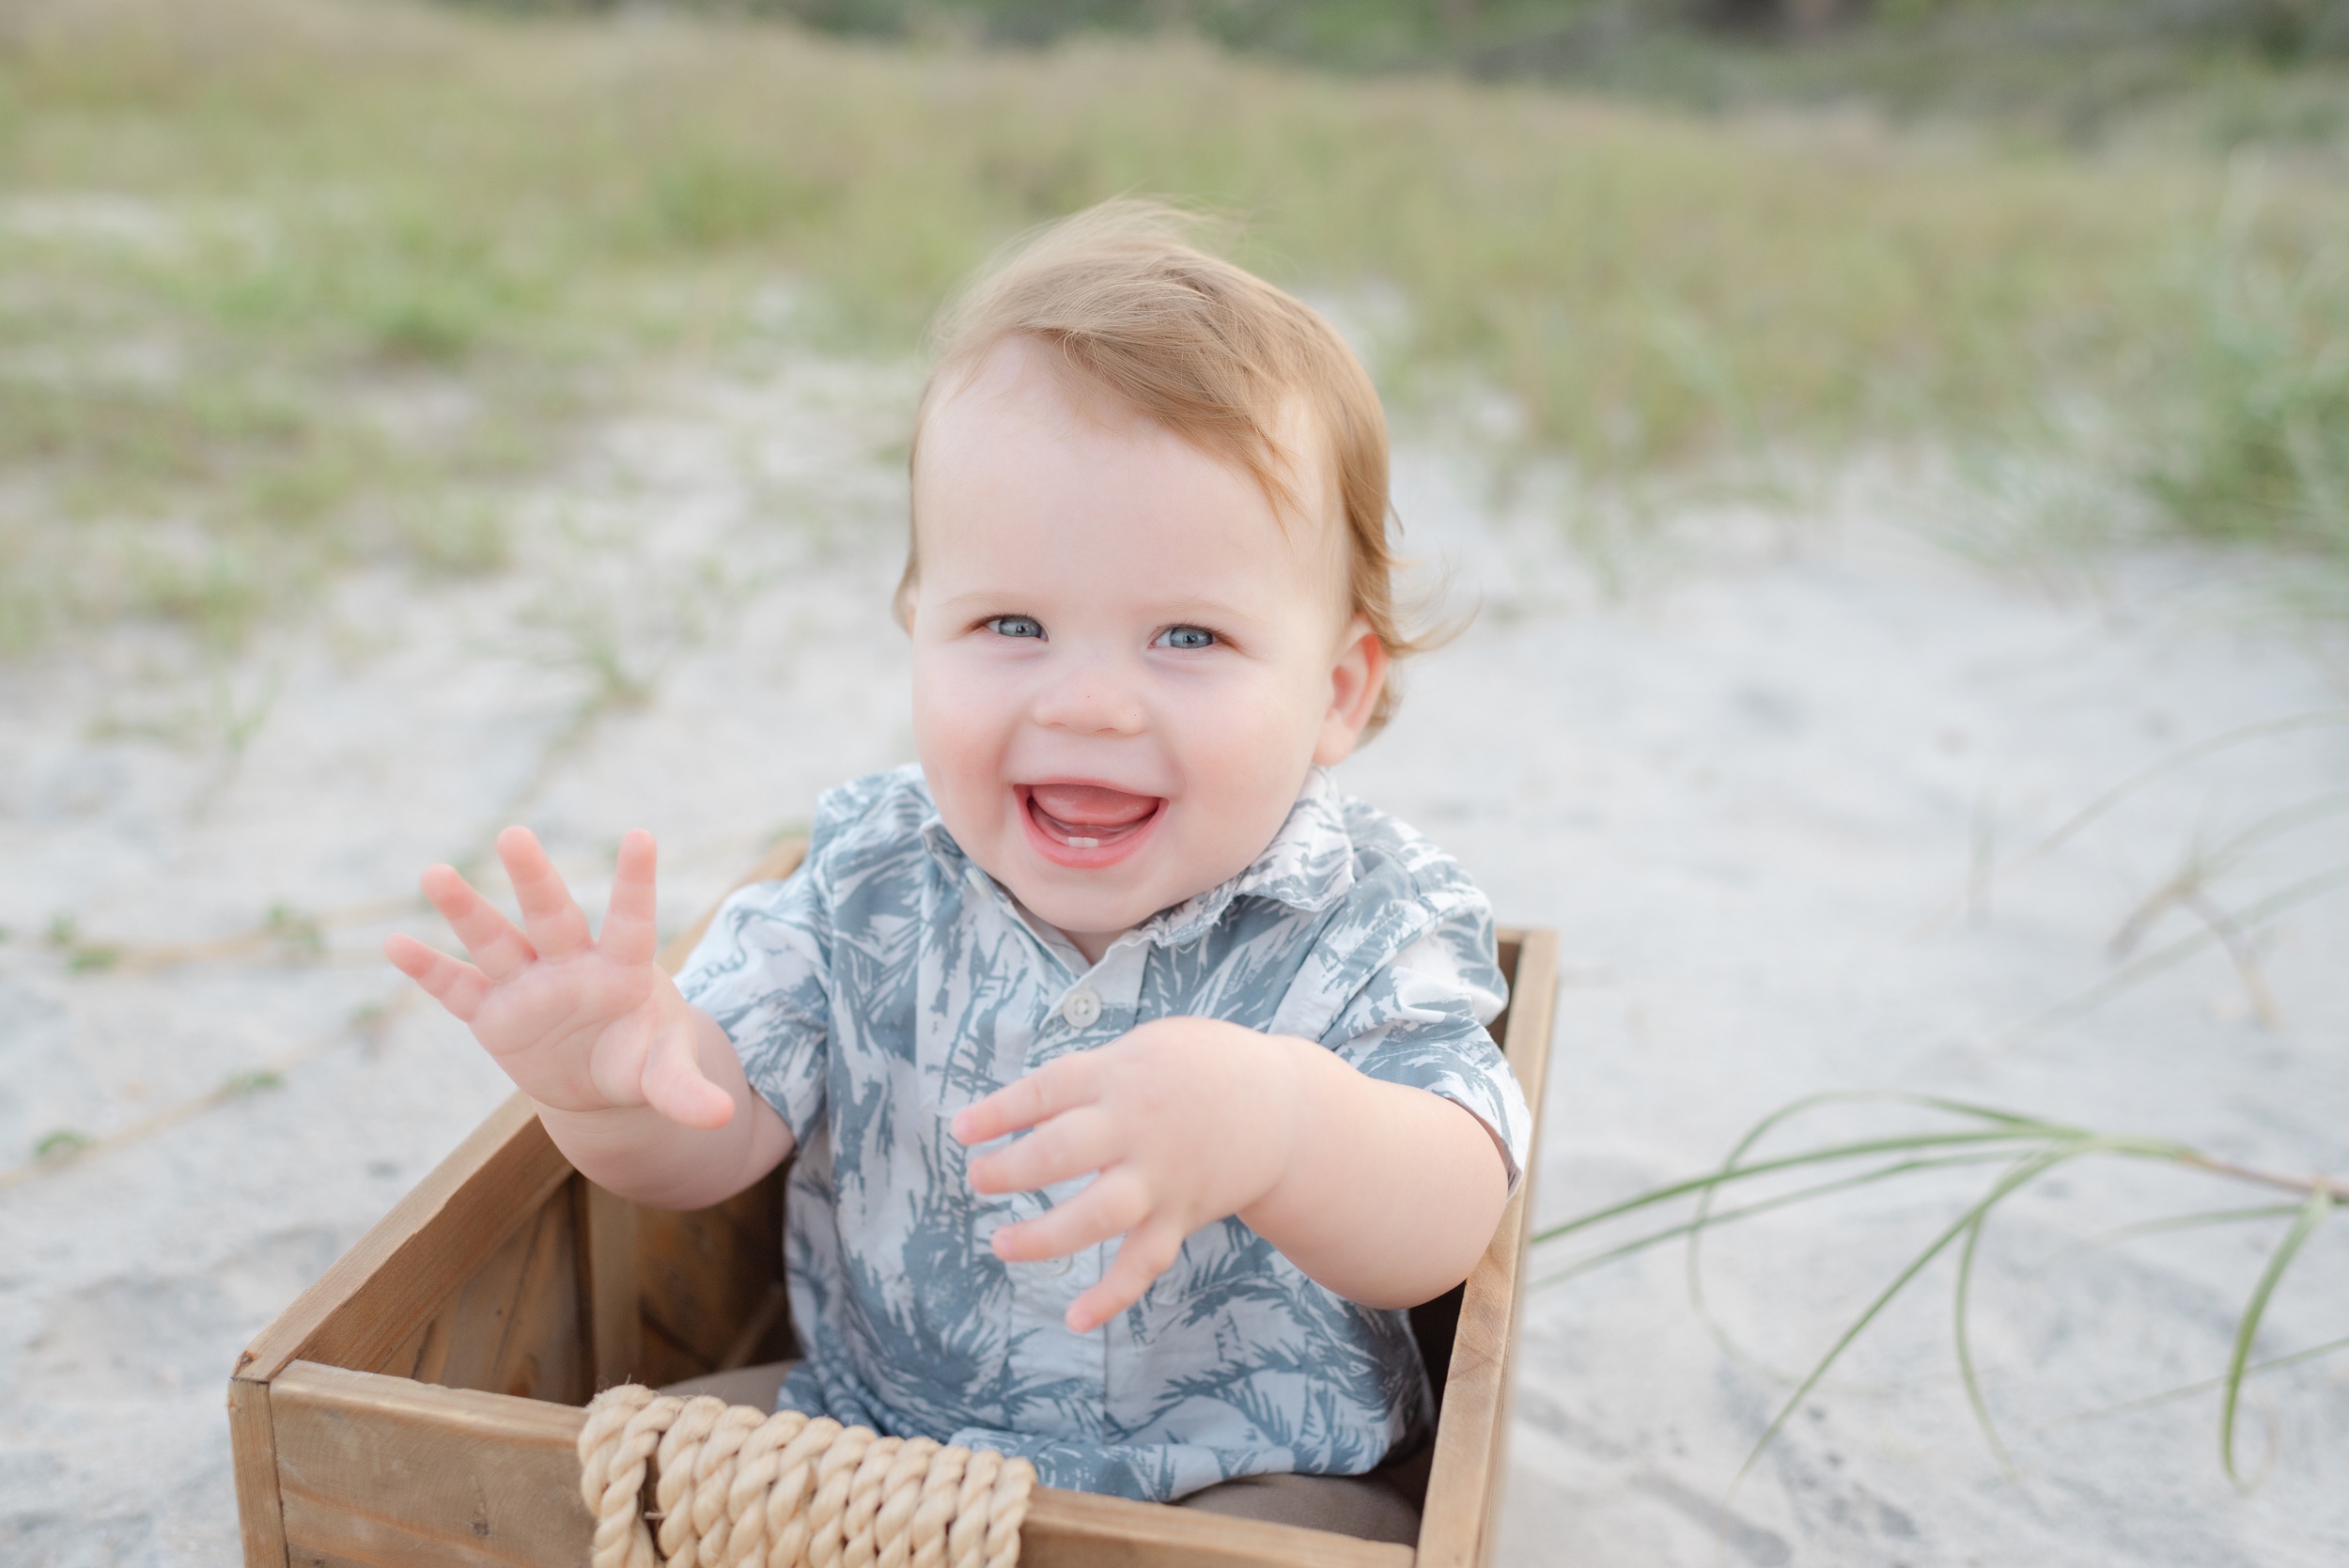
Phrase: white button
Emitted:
{"points": [[1080, 1008], [1056, 1267]]}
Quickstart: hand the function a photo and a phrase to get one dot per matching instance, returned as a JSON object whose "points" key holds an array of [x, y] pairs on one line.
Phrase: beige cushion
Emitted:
{"points": [[1370, 1507]]}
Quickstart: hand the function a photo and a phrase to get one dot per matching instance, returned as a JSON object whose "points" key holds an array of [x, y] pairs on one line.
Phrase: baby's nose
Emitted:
{"points": [[1091, 700]]}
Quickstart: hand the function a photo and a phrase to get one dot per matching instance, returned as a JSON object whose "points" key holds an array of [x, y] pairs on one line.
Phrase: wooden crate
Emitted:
{"points": [[419, 1405]]}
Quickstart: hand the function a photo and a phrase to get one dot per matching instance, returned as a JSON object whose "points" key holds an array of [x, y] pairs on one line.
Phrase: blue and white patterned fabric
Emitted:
{"points": [[891, 982]]}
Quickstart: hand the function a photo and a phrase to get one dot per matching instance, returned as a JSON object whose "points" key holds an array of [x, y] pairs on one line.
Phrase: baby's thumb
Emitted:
{"points": [[675, 1087]]}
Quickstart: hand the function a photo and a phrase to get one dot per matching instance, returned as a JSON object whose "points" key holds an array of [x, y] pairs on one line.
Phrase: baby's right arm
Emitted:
{"points": [[640, 1089]]}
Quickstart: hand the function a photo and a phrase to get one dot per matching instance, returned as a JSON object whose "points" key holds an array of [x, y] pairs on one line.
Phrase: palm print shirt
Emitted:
{"points": [[891, 982]]}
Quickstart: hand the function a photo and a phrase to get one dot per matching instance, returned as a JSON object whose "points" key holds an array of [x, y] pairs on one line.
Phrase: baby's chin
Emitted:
{"points": [[1105, 900], [1093, 903]]}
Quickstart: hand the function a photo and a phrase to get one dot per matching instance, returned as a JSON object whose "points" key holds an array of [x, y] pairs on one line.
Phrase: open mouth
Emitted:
{"points": [[1086, 824]]}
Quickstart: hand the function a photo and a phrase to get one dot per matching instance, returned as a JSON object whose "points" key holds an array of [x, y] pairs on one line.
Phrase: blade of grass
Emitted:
{"points": [[2191, 1221], [1812, 1157], [2185, 947], [1962, 1316], [2274, 1363], [1695, 1263], [2026, 1170], [2020, 1127], [2277, 823], [1784, 1200], [2312, 1214], [2072, 826]]}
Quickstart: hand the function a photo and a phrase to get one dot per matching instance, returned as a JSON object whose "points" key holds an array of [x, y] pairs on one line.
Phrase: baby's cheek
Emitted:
{"points": [[1244, 758], [959, 728]]}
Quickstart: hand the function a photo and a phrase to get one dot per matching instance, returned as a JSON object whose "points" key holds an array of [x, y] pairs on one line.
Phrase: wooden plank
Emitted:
{"points": [[774, 866], [395, 1474], [372, 1301], [608, 1292], [1464, 1482], [310, 1557], [1538, 958], [1509, 948], [253, 1456], [513, 1326], [424, 1355], [701, 1276], [1078, 1529], [384, 1471]]}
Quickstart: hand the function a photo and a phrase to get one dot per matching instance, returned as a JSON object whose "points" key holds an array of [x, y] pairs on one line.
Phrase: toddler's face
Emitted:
{"points": [[1124, 663]]}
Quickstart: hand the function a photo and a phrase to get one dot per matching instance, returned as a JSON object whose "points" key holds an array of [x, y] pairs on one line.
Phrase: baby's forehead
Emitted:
{"points": [[1020, 383]]}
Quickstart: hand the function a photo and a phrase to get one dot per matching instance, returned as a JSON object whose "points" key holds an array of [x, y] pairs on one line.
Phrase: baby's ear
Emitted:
{"points": [[901, 602], [1356, 679]]}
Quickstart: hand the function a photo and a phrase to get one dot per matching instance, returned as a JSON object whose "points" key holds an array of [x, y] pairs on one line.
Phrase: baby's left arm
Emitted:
{"points": [[1384, 1193]]}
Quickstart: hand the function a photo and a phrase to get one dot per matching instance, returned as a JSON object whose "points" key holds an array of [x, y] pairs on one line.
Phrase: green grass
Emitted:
{"points": [[2263, 456], [242, 244], [2024, 1149]]}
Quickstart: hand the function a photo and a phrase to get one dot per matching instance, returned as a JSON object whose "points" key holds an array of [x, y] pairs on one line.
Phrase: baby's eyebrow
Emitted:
{"points": [[1023, 601], [1176, 608]]}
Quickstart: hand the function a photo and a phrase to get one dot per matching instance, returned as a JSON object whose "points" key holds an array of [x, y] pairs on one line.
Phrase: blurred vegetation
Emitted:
{"points": [[290, 284], [2079, 67]]}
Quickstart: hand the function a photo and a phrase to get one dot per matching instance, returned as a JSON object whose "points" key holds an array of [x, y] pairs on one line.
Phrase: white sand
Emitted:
{"points": [[1738, 798]]}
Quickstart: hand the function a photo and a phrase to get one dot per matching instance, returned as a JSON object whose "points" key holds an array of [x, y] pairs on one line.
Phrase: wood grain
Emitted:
{"points": [[513, 1326], [701, 1276], [385, 1471], [1472, 1429], [252, 1457], [607, 1285], [1080, 1530], [310, 1557], [372, 1302]]}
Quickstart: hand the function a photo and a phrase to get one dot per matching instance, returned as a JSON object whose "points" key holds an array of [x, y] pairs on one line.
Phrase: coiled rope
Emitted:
{"points": [[735, 1487]]}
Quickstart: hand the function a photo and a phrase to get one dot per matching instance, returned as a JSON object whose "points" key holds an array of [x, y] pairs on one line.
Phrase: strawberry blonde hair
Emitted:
{"points": [[1200, 348]]}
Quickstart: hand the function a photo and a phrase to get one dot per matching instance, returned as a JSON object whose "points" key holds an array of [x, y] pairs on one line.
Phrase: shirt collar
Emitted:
{"points": [[1309, 865]]}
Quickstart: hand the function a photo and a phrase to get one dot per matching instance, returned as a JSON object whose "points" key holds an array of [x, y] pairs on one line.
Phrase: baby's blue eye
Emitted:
{"points": [[1016, 626], [1187, 637]]}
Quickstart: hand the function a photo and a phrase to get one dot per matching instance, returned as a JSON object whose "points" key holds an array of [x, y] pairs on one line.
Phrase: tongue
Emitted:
{"points": [[1091, 806]]}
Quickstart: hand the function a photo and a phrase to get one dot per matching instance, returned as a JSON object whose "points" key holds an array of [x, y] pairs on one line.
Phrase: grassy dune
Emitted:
{"points": [[285, 282]]}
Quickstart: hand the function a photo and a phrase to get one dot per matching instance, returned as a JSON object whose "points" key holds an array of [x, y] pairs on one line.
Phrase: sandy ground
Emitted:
{"points": [[1741, 795]]}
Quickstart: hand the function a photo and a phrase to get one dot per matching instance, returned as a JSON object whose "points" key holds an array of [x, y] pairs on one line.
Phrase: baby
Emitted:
{"points": [[1138, 1079]]}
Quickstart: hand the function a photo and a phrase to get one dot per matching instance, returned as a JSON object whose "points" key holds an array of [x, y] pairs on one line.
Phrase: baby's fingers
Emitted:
{"points": [[1073, 1144], [1057, 1086], [629, 935], [1149, 1251], [674, 1084], [488, 936], [550, 914], [1110, 1207], [455, 986]]}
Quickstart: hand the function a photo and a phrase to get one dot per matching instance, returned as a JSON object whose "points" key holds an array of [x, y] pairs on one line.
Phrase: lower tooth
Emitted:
{"points": [[1084, 844]]}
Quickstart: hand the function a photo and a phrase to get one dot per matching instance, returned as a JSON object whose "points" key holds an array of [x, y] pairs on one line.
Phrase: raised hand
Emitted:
{"points": [[581, 1024], [1185, 1119]]}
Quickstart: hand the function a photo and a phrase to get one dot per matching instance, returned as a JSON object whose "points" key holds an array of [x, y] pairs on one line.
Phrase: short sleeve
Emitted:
{"points": [[1420, 1020], [763, 972]]}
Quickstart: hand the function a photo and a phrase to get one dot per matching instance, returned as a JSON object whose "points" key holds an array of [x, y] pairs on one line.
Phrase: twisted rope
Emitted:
{"points": [[733, 1487]]}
